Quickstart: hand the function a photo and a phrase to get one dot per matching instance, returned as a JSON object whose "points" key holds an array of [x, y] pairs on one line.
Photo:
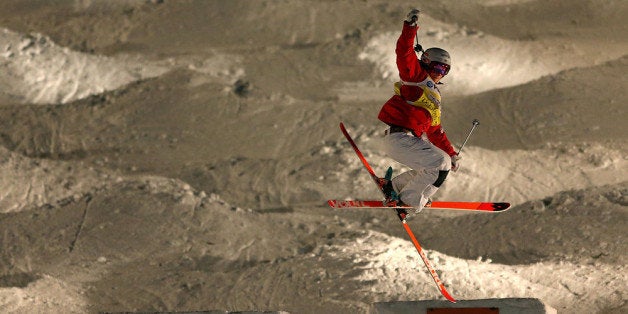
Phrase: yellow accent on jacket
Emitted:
{"points": [[429, 100]]}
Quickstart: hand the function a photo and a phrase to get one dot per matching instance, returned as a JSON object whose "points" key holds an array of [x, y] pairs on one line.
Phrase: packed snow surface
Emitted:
{"points": [[177, 155]]}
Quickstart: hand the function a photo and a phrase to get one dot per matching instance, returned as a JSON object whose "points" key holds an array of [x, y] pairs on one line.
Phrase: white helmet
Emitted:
{"points": [[436, 55]]}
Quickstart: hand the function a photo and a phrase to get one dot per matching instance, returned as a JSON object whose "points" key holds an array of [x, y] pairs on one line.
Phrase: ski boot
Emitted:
{"points": [[418, 210], [426, 200], [385, 183], [391, 197], [429, 203]]}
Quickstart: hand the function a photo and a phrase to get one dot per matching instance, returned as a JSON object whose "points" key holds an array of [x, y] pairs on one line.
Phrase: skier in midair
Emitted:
{"points": [[415, 137]]}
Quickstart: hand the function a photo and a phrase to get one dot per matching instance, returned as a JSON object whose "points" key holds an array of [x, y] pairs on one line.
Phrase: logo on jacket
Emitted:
{"points": [[430, 84]]}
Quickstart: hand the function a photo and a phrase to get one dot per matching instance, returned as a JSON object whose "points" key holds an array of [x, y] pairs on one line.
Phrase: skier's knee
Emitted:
{"points": [[442, 175], [444, 163]]}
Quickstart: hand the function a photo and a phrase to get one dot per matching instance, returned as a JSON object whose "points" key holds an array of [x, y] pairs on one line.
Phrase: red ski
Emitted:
{"points": [[401, 213], [468, 206]]}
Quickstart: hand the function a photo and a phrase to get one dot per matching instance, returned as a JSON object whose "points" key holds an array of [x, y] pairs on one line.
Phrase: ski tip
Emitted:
{"points": [[500, 206], [447, 296], [389, 172]]}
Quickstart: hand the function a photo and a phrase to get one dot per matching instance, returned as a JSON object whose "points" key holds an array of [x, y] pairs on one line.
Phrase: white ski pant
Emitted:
{"points": [[427, 162]]}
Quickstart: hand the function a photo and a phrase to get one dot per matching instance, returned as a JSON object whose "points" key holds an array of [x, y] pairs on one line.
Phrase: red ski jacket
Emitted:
{"points": [[398, 110]]}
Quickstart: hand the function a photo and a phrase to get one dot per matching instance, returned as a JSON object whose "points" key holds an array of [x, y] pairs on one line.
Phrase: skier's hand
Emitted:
{"points": [[455, 163], [413, 17]]}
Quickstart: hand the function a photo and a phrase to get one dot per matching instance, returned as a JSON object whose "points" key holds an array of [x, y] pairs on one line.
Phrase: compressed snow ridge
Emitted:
{"points": [[480, 62], [26, 182], [392, 269], [45, 295], [515, 176], [38, 71], [30, 182]]}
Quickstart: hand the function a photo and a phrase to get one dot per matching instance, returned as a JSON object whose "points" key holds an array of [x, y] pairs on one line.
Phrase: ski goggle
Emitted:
{"points": [[439, 68]]}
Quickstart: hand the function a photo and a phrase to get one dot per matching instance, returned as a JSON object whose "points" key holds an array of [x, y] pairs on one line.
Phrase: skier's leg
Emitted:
{"points": [[431, 166], [418, 192], [416, 152], [400, 181]]}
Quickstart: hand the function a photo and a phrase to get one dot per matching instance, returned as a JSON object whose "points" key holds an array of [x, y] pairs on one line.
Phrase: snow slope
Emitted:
{"points": [[38, 71], [176, 155], [482, 62]]}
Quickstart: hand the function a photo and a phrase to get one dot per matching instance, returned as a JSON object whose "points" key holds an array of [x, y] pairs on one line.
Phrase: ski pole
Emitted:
{"points": [[476, 122], [418, 46]]}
